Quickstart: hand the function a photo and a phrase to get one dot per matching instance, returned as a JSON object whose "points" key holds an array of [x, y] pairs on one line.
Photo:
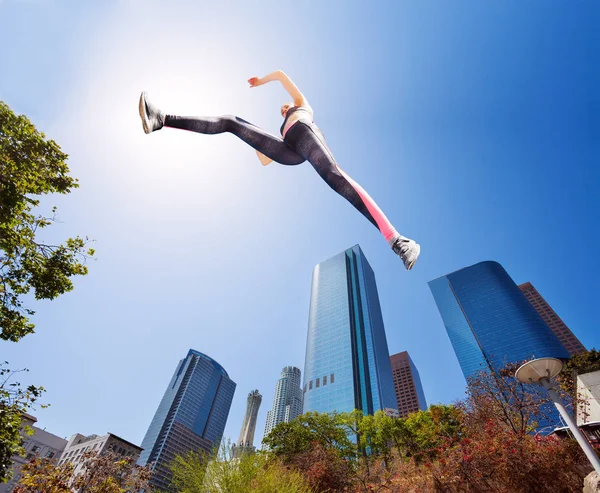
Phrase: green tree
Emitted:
{"points": [[31, 166], [14, 401], [321, 446], [221, 473], [376, 433], [425, 434], [331, 431]]}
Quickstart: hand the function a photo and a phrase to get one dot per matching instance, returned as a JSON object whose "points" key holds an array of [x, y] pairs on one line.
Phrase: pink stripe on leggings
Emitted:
{"points": [[383, 223]]}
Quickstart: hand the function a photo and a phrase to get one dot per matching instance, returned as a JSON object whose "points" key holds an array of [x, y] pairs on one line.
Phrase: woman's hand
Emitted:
{"points": [[288, 85], [255, 81]]}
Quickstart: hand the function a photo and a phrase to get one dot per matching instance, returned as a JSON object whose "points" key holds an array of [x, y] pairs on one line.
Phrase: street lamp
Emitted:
{"points": [[540, 371]]}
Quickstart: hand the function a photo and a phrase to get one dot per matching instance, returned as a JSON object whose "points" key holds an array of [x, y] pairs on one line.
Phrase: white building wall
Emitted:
{"points": [[588, 389]]}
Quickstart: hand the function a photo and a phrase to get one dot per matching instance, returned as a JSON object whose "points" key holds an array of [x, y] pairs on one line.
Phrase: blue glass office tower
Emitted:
{"points": [[347, 363], [489, 320], [191, 415]]}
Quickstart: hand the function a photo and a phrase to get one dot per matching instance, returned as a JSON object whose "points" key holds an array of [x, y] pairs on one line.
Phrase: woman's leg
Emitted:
{"points": [[263, 142], [310, 143]]}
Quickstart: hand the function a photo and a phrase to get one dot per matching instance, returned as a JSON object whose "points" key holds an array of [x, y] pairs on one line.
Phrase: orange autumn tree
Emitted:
{"points": [[106, 473]]}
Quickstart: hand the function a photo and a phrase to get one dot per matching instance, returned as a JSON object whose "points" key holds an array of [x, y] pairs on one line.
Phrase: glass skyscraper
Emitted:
{"points": [[347, 363], [489, 320], [191, 415]]}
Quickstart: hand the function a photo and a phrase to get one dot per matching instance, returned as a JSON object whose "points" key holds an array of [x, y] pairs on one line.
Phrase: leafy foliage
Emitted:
{"points": [[14, 401], [31, 166], [43, 475], [580, 363], [107, 473], [484, 443], [300, 435], [500, 396], [204, 473]]}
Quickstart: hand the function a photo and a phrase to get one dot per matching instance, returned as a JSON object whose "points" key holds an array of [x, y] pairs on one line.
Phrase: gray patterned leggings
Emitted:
{"points": [[303, 142]]}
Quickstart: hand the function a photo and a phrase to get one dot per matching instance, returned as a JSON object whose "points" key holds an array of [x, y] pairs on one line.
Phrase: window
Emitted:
{"points": [[49, 454], [325, 380], [310, 385], [317, 382], [304, 387], [35, 449], [94, 447], [331, 378]]}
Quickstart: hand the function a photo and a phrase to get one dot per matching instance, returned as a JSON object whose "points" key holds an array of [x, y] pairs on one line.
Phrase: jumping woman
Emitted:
{"points": [[302, 141]]}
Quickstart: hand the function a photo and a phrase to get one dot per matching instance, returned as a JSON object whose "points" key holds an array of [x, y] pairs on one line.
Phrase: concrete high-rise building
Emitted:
{"points": [[287, 401], [407, 383], [347, 363], [560, 329], [41, 444], [489, 320], [245, 442], [190, 417]]}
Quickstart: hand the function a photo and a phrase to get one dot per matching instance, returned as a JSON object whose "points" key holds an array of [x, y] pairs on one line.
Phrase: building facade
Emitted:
{"points": [[347, 364], [80, 444], [190, 417], [407, 383], [560, 329], [40, 444], [245, 442], [588, 407], [489, 320], [287, 401]]}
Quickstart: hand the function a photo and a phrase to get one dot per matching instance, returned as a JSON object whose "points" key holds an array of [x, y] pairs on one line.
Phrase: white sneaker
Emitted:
{"points": [[408, 250], [152, 117]]}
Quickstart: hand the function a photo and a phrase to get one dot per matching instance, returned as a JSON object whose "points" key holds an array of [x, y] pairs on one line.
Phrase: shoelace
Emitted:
{"points": [[401, 246]]}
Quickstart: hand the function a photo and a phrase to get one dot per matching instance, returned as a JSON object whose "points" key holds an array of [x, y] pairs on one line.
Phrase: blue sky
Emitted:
{"points": [[474, 124]]}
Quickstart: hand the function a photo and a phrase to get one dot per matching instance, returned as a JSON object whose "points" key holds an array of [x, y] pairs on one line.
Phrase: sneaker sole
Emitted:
{"points": [[418, 250], [142, 108]]}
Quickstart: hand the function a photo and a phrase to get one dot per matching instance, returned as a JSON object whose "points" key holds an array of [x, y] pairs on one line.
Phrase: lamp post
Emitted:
{"points": [[540, 371]]}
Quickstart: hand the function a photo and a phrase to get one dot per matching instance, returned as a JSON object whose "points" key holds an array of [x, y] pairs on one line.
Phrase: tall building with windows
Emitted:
{"points": [[191, 415], [407, 383], [560, 329], [287, 401], [347, 364], [489, 320]]}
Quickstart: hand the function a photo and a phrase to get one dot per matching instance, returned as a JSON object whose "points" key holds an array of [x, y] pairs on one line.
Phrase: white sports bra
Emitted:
{"points": [[296, 114]]}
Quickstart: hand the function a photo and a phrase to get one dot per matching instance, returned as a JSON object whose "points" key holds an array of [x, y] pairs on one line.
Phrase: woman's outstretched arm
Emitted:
{"points": [[289, 86]]}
